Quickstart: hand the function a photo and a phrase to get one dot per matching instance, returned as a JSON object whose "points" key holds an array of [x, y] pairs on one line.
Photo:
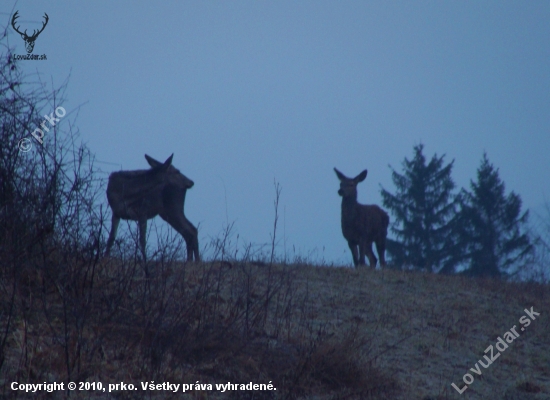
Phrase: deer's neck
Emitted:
{"points": [[349, 207], [349, 201]]}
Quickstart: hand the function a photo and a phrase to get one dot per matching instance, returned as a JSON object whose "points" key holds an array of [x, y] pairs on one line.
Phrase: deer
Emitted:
{"points": [[141, 195], [362, 224], [29, 40]]}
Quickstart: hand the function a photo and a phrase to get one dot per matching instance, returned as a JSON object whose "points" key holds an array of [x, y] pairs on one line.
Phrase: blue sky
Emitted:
{"points": [[248, 92]]}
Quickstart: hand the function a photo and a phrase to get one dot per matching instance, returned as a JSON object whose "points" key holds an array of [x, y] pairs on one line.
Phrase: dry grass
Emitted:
{"points": [[435, 328], [315, 332]]}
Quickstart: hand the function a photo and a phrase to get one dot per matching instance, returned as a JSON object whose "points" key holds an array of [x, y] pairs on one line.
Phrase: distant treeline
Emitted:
{"points": [[479, 232]]}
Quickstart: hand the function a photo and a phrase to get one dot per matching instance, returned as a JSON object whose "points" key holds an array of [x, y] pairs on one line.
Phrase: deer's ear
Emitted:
{"points": [[340, 175], [361, 177], [167, 163], [152, 162]]}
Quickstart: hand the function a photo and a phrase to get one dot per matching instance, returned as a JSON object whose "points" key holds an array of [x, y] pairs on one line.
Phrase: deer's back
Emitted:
{"points": [[135, 195], [368, 222]]}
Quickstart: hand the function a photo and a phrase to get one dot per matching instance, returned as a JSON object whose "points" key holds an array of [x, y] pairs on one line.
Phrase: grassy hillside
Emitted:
{"points": [[427, 331], [312, 332]]}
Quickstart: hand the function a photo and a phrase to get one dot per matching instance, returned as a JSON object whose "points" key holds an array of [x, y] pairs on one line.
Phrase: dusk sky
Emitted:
{"points": [[248, 92]]}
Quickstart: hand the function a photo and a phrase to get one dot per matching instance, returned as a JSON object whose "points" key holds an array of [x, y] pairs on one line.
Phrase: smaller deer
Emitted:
{"points": [[362, 224]]}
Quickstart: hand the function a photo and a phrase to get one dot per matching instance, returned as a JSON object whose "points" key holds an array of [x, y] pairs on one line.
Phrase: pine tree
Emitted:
{"points": [[491, 225], [424, 210]]}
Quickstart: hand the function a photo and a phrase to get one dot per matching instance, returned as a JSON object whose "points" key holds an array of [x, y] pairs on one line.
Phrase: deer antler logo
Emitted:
{"points": [[29, 40]]}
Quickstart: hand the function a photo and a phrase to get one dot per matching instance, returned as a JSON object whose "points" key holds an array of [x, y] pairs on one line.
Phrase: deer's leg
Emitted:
{"points": [[143, 236], [187, 230], [112, 235], [195, 245], [381, 249], [362, 251], [370, 255], [190, 235], [193, 239], [353, 248]]}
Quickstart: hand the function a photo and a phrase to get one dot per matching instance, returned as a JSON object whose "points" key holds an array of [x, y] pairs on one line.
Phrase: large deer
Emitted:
{"points": [[143, 194], [29, 40], [362, 224]]}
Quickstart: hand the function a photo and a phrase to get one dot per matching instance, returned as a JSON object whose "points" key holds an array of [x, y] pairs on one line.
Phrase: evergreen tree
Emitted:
{"points": [[424, 210], [491, 225]]}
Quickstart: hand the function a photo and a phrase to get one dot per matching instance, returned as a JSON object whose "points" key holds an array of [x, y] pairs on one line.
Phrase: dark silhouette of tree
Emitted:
{"points": [[491, 225], [424, 210], [48, 187], [50, 219]]}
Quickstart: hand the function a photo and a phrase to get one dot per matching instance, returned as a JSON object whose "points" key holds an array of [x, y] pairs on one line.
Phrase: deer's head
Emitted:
{"points": [[171, 174], [348, 186]]}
